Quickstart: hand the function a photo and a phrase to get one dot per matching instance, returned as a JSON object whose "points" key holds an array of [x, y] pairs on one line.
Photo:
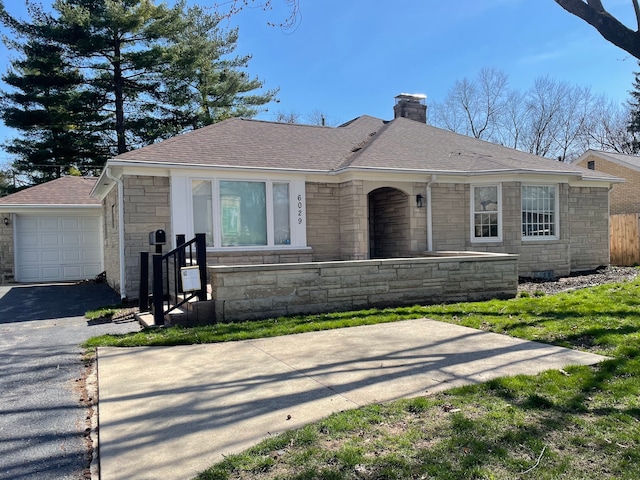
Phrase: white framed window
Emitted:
{"points": [[202, 200], [486, 213], [247, 214], [539, 212]]}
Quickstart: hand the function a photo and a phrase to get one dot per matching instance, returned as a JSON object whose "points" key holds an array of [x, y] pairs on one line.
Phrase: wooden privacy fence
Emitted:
{"points": [[624, 240]]}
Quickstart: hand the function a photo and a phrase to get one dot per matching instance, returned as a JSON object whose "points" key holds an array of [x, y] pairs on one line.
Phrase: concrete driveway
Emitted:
{"points": [[41, 421], [171, 412]]}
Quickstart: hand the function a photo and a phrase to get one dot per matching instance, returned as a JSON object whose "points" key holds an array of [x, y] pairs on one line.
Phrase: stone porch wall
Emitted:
{"points": [[262, 291], [6, 249]]}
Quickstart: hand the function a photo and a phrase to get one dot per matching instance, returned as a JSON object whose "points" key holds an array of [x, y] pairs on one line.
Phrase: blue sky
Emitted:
{"points": [[348, 58]]}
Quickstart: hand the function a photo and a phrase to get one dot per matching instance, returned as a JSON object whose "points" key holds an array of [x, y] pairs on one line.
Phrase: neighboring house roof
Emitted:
{"points": [[64, 191], [629, 161], [365, 143]]}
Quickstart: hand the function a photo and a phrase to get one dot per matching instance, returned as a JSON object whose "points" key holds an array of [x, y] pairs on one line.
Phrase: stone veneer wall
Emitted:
{"points": [[258, 257], [6, 249], [625, 197], [111, 241], [354, 222], [450, 216], [146, 209], [261, 291], [323, 220], [390, 229], [589, 222], [452, 231]]}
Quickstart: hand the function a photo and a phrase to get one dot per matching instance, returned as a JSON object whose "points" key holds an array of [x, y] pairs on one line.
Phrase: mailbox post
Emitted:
{"points": [[158, 238]]}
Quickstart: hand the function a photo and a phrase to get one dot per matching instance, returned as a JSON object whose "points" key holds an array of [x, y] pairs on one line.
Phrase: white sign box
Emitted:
{"points": [[190, 279]]}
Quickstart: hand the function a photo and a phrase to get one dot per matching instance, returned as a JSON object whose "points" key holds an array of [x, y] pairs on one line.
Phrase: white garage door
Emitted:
{"points": [[57, 248]]}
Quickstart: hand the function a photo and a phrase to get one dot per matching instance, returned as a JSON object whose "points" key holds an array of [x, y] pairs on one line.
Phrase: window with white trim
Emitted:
{"points": [[238, 213], [486, 213], [539, 212]]}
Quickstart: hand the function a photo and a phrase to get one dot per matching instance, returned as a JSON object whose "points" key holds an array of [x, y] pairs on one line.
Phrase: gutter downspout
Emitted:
{"points": [[118, 181], [430, 215]]}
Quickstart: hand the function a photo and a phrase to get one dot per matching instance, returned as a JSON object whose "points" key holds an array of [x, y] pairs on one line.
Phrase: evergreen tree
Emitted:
{"points": [[54, 116], [163, 70], [205, 85], [5, 185], [634, 109], [125, 74]]}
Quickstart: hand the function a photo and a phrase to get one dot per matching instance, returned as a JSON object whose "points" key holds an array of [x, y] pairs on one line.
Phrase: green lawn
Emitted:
{"points": [[581, 423]]}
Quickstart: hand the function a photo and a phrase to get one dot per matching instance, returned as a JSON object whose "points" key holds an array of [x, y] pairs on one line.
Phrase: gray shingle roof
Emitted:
{"points": [[363, 143], [257, 144], [70, 191]]}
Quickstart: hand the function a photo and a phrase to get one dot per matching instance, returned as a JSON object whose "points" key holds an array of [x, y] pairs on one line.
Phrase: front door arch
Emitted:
{"points": [[389, 223]]}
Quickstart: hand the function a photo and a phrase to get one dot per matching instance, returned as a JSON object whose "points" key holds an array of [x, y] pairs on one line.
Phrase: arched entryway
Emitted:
{"points": [[389, 223]]}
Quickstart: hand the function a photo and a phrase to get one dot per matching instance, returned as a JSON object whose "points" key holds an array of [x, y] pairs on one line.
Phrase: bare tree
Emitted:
{"points": [[575, 112], [612, 29], [283, 117], [228, 8], [552, 118], [512, 121], [607, 128], [473, 107]]}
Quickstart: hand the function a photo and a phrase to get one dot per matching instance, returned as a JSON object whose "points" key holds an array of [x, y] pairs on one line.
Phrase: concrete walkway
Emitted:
{"points": [[171, 412]]}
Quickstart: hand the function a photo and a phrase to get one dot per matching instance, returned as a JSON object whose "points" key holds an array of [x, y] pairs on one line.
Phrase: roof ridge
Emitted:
{"points": [[358, 149]]}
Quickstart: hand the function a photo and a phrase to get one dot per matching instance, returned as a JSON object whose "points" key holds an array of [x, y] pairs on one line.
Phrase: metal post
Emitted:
{"points": [[181, 239], [201, 258], [158, 300], [143, 292]]}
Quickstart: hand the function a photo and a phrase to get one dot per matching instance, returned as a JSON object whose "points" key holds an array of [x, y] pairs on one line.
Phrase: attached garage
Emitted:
{"points": [[51, 233], [57, 248]]}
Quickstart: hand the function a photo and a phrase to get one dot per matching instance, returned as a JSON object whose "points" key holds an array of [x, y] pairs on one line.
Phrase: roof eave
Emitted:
{"points": [[476, 173], [192, 166], [19, 207]]}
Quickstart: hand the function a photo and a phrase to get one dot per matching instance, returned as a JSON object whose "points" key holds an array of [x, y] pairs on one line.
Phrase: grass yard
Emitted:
{"points": [[579, 423]]}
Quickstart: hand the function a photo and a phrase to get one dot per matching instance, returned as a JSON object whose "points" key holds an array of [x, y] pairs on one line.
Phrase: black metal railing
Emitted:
{"points": [[167, 289]]}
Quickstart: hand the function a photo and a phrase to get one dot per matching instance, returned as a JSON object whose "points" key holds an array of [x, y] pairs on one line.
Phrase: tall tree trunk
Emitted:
{"points": [[118, 89]]}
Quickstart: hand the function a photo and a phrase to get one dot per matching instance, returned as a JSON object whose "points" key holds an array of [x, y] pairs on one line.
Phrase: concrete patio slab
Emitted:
{"points": [[171, 412]]}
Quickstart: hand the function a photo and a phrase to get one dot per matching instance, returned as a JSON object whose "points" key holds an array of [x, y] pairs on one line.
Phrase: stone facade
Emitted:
{"points": [[6, 248], [359, 220], [111, 240], [582, 243], [389, 224], [589, 225], [253, 292], [146, 209], [323, 220], [624, 197]]}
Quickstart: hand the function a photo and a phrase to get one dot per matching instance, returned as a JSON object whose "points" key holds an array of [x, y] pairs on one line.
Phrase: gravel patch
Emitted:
{"points": [[576, 281]]}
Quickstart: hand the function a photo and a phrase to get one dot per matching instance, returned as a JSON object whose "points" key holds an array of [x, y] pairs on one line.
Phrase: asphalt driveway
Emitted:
{"points": [[41, 420]]}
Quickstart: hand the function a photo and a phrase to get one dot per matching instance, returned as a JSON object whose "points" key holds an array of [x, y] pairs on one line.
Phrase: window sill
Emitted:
{"points": [[261, 249]]}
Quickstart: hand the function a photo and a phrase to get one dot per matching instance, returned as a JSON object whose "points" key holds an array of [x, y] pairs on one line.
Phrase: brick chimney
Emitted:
{"points": [[412, 106]]}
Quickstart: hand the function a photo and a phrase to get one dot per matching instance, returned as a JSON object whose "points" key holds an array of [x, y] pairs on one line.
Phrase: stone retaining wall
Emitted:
{"points": [[246, 292]]}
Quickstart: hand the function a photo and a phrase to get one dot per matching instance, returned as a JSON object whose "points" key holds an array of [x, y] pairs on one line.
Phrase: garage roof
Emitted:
{"points": [[63, 191]]}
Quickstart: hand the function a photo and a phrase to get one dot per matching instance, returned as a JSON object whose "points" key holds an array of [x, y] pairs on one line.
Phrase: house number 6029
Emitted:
{"points": [[299, 209]]}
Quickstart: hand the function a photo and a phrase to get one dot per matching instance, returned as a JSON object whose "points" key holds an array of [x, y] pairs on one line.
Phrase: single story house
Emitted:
{"points": [[51, 232], [625, 198], [266, 193]]}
